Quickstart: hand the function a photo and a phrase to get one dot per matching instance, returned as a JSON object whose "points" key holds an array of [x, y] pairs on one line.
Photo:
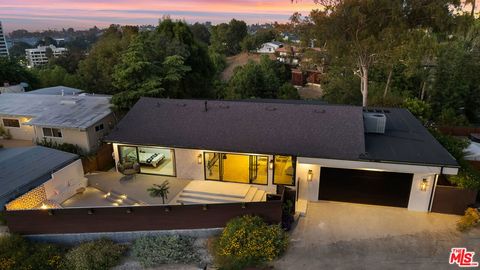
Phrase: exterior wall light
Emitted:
{"points": [[270, 164], [310, 175], [424, 185], [199, 159]]}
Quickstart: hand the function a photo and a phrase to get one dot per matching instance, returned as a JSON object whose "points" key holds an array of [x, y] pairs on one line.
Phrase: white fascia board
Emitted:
{"points": [[377, 166]]}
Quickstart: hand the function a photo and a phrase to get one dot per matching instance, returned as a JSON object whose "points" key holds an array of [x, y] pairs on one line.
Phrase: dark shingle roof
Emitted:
{"points": [[22, 169], [306, 129], [406, 140], [249, 127]]}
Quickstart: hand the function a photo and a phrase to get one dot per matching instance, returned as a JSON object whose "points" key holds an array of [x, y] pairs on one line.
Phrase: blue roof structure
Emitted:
{"points": [[22, 169]]}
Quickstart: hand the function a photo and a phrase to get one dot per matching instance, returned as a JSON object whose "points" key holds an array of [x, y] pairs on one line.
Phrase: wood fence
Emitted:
{"points": [[137, 218], [452, 200], [101, 161], [459, 131]]}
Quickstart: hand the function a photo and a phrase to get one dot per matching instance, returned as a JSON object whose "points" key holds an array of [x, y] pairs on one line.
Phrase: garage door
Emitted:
{"points": [[368, 187]]}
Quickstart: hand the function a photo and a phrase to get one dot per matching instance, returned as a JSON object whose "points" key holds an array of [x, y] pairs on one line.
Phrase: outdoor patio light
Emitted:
{"points": [[129, 210], [44, 206], [270, 164], [199, 158], [310, 175], [424, 184]]}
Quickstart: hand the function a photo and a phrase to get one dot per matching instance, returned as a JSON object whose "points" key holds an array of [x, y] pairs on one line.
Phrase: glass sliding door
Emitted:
{"points": [[238, 168], [284, 170], [152, 160], [156, 160]]}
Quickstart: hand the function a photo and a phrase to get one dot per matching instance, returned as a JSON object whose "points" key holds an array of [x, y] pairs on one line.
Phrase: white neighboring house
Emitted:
{"points": [[38, 56], [270, 47], [82, 120], [17, 88]]}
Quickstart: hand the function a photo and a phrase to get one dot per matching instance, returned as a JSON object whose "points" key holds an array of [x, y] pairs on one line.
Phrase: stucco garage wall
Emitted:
{"points": [[418, 200]]}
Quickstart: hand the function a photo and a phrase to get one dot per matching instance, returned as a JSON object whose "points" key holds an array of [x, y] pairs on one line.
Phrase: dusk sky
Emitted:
{"points": [[58, 14]]}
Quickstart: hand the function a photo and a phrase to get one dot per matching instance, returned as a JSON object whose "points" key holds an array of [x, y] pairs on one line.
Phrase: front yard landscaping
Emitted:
{"points": [[245, 242]]}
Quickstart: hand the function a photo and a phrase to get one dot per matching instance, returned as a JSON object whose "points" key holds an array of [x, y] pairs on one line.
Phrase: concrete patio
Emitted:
{"points": [[134, 187], [336, 235]]}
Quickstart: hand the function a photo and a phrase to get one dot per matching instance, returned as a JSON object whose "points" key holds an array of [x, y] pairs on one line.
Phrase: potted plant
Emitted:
{"points": [[160, 191]]}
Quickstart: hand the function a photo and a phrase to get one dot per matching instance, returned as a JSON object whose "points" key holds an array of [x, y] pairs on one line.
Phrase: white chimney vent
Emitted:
{"points": [[374, 122]]}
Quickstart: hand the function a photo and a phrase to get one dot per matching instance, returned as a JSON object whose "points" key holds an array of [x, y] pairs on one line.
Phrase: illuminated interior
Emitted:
{"points": [[238, 168], [152, 160], [284, 170]]}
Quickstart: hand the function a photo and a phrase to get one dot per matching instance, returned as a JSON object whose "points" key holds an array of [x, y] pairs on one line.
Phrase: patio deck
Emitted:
{"points": [[134, 187]]}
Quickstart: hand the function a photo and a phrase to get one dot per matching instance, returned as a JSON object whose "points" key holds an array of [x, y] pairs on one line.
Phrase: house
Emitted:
{"points": [[39, 56], [223, 159], [82, 120], [51, 176], [290, 55], [57, 90], [325, 152], [17, 88], [289, 37], [270, 47]]}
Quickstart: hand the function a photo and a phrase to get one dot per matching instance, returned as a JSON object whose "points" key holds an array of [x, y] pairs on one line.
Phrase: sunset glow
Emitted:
{"points": [[57, 14]]}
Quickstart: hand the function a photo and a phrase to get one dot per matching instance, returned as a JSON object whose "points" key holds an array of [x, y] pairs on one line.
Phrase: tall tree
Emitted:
{"points": [[227, 38]]}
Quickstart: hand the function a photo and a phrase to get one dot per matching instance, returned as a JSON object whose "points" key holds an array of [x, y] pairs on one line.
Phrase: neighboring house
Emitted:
{"points": [[289, 37], [39, 56], [57, 90], [324, 152], [7, 88], [82, 120], [3, 43], [289, 55], [270, 47], [48, 175]]}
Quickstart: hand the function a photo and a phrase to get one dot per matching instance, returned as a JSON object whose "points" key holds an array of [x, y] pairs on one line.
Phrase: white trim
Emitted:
{"points": [[379, 166]]}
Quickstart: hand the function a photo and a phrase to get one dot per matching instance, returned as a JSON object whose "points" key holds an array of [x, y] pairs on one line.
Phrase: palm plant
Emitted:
{"points": [[160, 191]]}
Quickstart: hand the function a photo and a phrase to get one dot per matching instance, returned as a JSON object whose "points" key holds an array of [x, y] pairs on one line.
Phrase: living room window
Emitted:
{"points": [[52, 132], [238, 168], [11, 122], [284, 170]]}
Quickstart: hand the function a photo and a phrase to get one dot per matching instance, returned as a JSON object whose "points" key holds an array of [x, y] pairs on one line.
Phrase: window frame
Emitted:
{"points": [[52, 132], [294, 166], [99, 127], [11, 119], [221, 179], [174, 160]]}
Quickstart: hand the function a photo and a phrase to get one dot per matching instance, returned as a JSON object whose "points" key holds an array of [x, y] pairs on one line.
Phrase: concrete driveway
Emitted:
{"points": [[337, 235]]}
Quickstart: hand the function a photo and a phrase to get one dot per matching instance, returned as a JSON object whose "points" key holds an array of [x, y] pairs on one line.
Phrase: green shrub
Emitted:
{"points": [[19, 253], [157, 250], [95, 255], [249, 241], [469, 220], [66, 147]]}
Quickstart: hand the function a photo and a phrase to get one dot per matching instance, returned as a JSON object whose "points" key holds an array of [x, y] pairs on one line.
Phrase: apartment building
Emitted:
{"points": [[39, 56], [3, 43]]}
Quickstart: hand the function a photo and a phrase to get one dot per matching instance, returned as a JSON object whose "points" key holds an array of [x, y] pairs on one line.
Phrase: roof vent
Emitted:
{"points": [[374, 122]]}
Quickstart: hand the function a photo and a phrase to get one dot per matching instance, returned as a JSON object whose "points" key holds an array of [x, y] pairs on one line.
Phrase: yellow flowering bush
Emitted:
{"points": [[249, 241], [469, 220]]}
